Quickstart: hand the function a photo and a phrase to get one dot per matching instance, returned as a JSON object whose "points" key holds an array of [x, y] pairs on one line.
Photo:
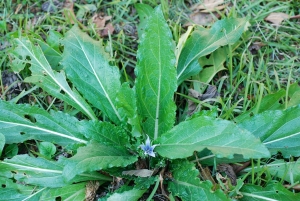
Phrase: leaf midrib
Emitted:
{"points": [[52, 76]]}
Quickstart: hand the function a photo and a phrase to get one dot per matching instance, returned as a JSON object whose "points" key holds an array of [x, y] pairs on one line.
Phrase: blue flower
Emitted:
{"points": [[148, 148]]}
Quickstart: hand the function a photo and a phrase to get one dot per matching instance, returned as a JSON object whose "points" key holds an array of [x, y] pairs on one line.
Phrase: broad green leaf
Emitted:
{"points": [[11, 150], [41, 172], [272, 192], [156, 77], [43, 76], [278, 130], [126, 103], [87, 66], [144, 12], [2, 143], [222, 137], [187, 185], [23, 122], [97, 157], [213, 64], [131, 195], [73, 192], [202, 42], [104, 133], [11, 191], [47, 149]]}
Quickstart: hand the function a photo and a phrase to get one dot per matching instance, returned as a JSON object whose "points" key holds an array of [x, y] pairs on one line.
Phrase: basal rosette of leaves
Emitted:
{"points": [[119, 117]]}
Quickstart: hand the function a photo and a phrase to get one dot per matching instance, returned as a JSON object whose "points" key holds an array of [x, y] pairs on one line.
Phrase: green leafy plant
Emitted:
{"points": [[112, 129]]}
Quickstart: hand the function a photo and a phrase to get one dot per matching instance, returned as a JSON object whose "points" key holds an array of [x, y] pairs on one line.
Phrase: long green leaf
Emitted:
{"points": [[202, 42], [11, 191], [144, 12], [41, 172], [43, 76], [131, 195], [272, 192], [186, 184], [87, 66], [76, 192], [156, 77], [23, 122], [278, 130], [222, 137], [96, 157], [289, 171]]}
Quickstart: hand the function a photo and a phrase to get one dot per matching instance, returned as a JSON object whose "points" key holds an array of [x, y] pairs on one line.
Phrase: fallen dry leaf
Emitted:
{"points": [[90, 190], [69, 11], [276, 18], [211, 92], [101, 26], [100, 21], [254, 47], [207, 5], [108, 28], [201, 18]]}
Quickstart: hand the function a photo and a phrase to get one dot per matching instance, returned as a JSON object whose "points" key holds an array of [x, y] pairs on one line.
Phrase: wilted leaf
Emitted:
{"points": [[277, 18], [139, 173]]}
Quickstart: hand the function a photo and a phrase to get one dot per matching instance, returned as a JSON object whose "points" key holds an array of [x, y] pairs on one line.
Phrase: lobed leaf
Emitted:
{"points": [[278, 130], [87, 66], [23, 122], [104, 133], [41, 172], [187, 185], [97, 157], [156, 77], [43, 76], [126, 103], [202, 42], [222, 137]]}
